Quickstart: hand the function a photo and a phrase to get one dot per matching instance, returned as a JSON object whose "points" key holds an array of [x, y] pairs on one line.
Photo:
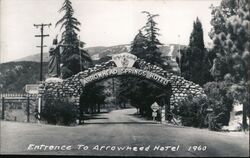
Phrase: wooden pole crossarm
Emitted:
{"points": [[41, 35], [42, 46]]}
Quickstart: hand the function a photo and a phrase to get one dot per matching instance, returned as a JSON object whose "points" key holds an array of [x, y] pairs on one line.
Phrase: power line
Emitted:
{"points": [[41, 46]]}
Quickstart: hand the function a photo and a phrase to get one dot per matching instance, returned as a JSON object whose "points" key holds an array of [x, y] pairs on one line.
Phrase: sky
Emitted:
{"points": [[103, 22]]}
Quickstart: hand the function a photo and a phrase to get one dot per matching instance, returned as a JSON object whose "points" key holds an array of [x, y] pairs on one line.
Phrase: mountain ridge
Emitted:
{"points": [[14, 75], [101, 51]]}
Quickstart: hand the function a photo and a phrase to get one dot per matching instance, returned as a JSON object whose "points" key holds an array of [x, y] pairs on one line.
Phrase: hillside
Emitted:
{"points": [[35, 58], [15, 75], [99, 52]]}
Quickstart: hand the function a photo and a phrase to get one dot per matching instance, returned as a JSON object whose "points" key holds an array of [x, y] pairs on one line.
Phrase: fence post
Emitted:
{"points": [[39, 108], [3, 108], [28, 109]]}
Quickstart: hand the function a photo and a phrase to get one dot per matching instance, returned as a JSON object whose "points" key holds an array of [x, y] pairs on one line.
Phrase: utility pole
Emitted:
{"points": [[79, 45], [41, 46]]}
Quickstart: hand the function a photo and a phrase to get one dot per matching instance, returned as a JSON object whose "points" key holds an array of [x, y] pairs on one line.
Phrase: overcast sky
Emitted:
{"points": [[104, 22]]}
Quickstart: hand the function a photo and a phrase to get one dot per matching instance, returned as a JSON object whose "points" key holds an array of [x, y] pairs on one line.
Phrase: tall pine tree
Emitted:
{"points": [[138, 46], [231, 39], [194, 63], [152, 53], [196, 38], [69, 23], [145, 46], [73, 58], [127, 85]]}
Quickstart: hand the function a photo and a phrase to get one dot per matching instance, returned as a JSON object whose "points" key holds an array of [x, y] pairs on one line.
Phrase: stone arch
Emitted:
{"points": [[73, 87]]}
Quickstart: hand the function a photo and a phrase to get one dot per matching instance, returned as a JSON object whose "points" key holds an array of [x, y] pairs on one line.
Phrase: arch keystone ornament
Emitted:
{"points": [[124, 59], [124, 64]]}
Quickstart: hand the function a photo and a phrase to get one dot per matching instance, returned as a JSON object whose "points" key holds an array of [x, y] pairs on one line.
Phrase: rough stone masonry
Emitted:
{"points": [[72, 87]]}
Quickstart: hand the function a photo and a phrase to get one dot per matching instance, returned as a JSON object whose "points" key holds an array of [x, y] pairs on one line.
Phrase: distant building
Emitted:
{"points": [[169, 54], [95, 57]]}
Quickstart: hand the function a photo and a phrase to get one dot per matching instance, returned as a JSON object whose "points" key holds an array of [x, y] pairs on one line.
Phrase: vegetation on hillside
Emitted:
{"points": [[15, 75]]}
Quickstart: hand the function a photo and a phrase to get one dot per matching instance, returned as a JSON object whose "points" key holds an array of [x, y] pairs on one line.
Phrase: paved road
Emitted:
{"points": [[120, 133]]}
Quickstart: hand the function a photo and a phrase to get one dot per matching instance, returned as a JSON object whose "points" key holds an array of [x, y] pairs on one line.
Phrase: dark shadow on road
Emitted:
{"points": [[97, 113], [94, 118], [121, 123], [139, 116]]}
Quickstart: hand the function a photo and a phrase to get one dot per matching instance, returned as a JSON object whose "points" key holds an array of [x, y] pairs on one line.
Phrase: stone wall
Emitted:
{"points": [[72, 87], [181, 88]]}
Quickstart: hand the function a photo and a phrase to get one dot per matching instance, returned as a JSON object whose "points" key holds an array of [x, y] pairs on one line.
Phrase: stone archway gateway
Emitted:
{"points": [[124, 64]]}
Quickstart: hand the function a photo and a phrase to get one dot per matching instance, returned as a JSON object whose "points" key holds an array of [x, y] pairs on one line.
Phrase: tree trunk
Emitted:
{"points": [[244, 117], [99, 108], [140, 111], [80, 115], [92, 109], [95, 108]]}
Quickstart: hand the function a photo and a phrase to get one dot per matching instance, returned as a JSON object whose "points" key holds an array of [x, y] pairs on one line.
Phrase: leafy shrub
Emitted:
{"points": [[193, 111], [56, 111], [214, 121], [221, 100]]}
